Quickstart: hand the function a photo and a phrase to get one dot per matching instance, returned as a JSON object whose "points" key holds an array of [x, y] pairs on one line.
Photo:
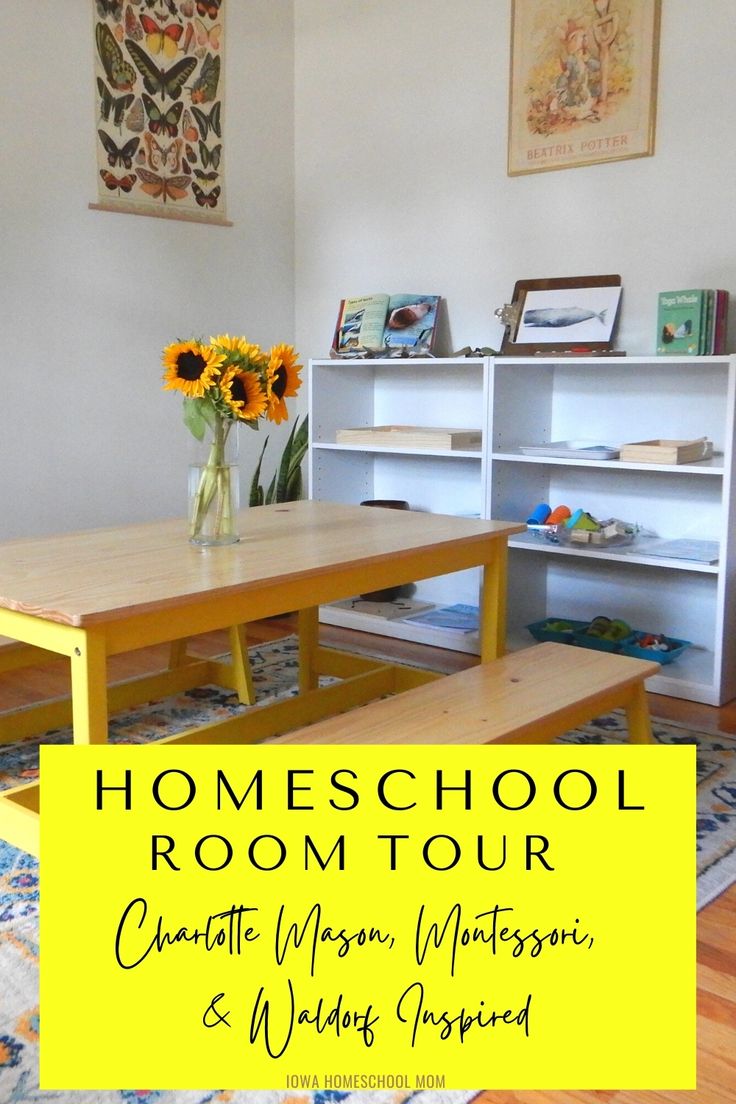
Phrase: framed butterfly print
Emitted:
{"points": [[159, 107]]}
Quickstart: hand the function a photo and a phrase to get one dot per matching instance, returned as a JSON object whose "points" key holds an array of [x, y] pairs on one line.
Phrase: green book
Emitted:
{"points": [[681, 320], [707, 336]]}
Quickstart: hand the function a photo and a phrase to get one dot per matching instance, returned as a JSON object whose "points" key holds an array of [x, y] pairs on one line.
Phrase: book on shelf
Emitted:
{"points": [[720, 322], [708, 335], [456, 618], [405, 322], [692, 322]]}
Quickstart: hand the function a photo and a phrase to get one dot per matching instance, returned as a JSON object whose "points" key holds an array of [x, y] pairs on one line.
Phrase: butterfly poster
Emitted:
{"points": [[158, 79]]}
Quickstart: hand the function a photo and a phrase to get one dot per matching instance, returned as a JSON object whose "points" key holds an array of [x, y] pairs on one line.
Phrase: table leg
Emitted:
{"points": [[308, 642], [637, 717], [89, 689], [493, 604], [242, 673]]}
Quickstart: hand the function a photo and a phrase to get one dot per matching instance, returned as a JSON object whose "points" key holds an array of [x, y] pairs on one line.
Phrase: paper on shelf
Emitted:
{"points": [[700, 551], [457, 618], [394, 610]]}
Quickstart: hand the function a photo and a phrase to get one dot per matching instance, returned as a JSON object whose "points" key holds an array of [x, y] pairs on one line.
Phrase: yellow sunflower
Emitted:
{"points": [[191, 367], [243, 393], [240, 350], [282, 381]]}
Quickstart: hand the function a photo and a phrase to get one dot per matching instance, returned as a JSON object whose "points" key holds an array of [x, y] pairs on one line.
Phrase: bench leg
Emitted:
{"points": [[637, 716]]}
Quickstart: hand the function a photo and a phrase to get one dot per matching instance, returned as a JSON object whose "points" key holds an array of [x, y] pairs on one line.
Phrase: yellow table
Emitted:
{"points": [[106, 591]]}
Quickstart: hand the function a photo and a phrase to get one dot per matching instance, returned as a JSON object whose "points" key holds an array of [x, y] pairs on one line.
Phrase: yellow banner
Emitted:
{"points": [[363, 917]]}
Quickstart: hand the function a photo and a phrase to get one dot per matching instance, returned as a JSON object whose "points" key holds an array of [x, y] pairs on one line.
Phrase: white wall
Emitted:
{"points": [[399, 141], [401, 125], [89, 298]]}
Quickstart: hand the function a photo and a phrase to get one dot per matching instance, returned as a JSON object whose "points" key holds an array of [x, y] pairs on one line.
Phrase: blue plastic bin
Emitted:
{"points": [[598, 644], [677, 647], [540, 632]]}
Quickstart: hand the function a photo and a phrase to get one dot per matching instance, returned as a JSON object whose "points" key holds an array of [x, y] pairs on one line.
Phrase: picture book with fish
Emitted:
{"points": [[692, 322], [374, 322]]}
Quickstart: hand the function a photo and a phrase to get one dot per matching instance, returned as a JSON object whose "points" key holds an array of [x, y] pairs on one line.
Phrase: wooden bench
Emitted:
{"points": [[529, 696]]}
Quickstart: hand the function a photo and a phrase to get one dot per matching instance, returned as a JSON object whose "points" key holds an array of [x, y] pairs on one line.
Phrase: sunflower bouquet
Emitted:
{"points": [[226, 383]]}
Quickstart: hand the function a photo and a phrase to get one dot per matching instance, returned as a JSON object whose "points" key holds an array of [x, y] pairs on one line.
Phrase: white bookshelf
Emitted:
{"points": [[531, 401], [452, 394]]}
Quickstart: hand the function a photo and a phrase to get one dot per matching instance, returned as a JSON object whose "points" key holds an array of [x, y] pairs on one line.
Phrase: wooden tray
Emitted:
{"points": [[400, 436], [667, 452]]}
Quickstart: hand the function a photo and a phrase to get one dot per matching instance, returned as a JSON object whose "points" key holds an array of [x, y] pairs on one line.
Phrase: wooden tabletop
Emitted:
{"points": [[105, 574]]}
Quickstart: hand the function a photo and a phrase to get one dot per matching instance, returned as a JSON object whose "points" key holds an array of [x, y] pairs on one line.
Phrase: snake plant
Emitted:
{"points": [[286, 484]]}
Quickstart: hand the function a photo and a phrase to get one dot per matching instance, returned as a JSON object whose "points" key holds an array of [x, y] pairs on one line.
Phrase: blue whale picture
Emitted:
{"points": [[561, 316]]}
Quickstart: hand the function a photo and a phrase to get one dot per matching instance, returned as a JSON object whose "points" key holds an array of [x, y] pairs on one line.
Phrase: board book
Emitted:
{"points": [[692, 322]]}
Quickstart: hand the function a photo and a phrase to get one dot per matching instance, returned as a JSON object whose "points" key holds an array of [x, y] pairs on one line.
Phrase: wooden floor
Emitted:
{"points": [[716, 923]]}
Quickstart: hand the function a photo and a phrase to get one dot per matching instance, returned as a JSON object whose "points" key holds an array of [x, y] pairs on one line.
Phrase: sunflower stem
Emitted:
{"points": [[212, 512]]}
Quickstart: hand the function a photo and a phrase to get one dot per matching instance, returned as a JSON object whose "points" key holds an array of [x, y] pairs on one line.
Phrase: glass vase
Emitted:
{"points": [[214, 487]]}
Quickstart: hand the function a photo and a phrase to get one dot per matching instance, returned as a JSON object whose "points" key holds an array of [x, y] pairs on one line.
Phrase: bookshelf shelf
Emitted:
{"points": [[387, 450], [714, 466], [636, 554], [536, 400]]}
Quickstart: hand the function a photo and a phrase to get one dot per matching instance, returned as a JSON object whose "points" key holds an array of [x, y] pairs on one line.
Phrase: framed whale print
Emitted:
{"points": [[583, 82], [566, 316]]}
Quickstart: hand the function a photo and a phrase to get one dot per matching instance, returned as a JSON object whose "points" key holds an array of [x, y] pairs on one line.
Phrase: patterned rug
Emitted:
{"points": [[275, 672]]}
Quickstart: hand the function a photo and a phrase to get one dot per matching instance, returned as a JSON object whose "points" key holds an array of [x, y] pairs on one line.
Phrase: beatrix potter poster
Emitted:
{"points": [[159, 93], [583, 82]]}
